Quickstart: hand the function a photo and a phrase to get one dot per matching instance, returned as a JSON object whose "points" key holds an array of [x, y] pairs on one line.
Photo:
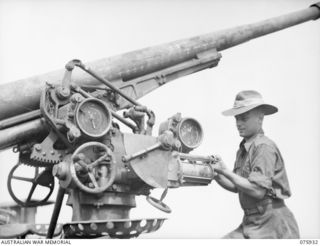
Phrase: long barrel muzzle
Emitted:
{"points": [[21, 98], [23, 95]]}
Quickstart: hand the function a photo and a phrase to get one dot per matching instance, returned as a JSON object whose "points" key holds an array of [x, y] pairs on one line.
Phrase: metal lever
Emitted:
{"points": [[128, 158]]}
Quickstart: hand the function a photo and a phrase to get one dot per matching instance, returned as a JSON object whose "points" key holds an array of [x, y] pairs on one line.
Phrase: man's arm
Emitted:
{"points": [[226, 183], [223, 181], [242, 184]]}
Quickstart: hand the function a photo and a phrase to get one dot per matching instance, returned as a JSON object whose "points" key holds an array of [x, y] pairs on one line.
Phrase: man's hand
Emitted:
{"points": [[220, 169], [219, 166]]}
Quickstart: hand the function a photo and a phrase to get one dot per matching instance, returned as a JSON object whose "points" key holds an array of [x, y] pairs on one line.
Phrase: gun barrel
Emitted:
{"points": [[22, 96], [22, 132]]}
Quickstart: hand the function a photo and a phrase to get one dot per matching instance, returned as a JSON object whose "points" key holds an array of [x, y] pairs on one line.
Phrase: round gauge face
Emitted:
{"points": [[93, 118], [190, 133]]}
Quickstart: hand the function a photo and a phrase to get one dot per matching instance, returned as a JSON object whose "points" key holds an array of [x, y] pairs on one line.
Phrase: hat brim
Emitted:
{"points": [[266, 108]]}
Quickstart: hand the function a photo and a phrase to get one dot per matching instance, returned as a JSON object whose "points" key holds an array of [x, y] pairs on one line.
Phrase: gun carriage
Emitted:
{"points": [[66, 125]]}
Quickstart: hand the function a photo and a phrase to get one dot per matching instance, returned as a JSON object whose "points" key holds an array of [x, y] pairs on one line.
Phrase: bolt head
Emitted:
{"points": [[63, 92], [37, 147]]}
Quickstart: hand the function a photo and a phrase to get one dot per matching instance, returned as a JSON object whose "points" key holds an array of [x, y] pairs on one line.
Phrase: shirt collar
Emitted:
{"points": [[246, 144]]}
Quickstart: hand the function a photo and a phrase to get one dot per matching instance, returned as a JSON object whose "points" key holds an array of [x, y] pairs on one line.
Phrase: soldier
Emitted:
{"points": [[259, 175]]}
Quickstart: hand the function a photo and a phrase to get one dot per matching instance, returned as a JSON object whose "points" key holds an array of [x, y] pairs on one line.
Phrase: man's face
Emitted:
{"points": [[249, 123]]}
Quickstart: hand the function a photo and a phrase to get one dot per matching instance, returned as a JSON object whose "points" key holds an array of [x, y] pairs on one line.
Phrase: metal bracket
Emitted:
{"points": [[147, 83]]}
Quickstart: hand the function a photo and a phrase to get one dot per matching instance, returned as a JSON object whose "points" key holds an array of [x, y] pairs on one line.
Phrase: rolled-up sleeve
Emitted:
{"points": [[263, 166]]}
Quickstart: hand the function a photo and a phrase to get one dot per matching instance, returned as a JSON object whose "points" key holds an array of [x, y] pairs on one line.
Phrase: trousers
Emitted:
{"points": [[271, 223]]}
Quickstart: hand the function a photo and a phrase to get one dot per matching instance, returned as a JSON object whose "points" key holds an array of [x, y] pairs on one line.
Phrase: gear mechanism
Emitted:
{"points": [[44, 154]]}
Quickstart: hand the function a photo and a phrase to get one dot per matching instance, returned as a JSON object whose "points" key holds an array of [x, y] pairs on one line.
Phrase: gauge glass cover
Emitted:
{"points": [[190, 133], [93, 118]]}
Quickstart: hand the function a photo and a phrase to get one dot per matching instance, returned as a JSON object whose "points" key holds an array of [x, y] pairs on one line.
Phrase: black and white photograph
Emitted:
{"points": [[149, 119]]}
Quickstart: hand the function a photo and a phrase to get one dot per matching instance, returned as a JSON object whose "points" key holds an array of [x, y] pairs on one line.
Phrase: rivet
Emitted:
{"points": [[38, 147]]}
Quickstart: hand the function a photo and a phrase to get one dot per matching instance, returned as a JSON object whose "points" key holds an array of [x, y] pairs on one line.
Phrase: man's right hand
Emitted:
{"points": [[219, 166]]}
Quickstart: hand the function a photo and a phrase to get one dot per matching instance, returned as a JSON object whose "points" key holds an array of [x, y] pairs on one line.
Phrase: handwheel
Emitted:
{"points": [[158, 203], [93, 168], [44, 179]]}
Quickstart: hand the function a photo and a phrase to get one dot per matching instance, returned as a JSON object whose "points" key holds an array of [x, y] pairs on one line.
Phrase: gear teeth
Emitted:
{"points": [[44, 161], [36, 161], [29, 162], [41, 160]]}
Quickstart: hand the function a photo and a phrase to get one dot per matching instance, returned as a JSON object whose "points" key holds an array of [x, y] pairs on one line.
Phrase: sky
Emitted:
{"points": [[41, 36]]}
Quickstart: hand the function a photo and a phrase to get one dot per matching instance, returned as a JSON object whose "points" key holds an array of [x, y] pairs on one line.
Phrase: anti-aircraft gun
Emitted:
{"points": [[65, 124]]}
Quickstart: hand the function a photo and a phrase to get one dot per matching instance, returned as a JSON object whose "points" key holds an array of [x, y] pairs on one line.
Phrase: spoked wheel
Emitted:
{"points": [[93, 168], [43, 179]]}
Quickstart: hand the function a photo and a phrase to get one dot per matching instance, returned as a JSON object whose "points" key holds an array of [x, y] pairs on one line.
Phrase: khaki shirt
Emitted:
{"points": [[259, 160]]}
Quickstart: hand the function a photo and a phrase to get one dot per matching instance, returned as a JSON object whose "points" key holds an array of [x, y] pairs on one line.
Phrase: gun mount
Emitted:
{"points": [[74, 132]]}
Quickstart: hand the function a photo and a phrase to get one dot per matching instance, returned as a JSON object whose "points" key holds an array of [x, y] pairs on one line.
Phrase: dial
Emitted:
{"points": [[93, 118], [190, 133]]}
